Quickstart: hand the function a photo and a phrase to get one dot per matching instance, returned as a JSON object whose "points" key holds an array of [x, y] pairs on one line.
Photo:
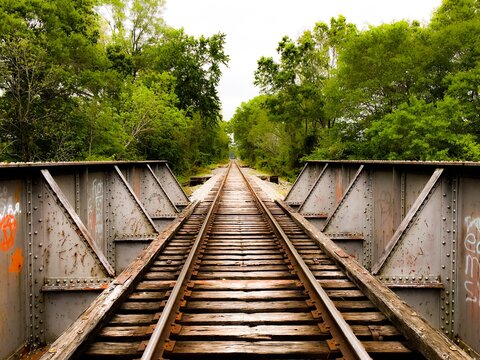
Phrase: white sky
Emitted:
{"points": [[253, 29]]}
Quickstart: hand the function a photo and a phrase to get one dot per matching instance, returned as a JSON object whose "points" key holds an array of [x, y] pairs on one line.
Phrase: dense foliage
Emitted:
{"points": [[92, 79], [394, 91]]}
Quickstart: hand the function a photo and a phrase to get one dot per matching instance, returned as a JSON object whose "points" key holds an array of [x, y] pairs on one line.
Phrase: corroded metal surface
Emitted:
{"points": [[14, 301], [415, 227], [66, 230], [256, 282]]}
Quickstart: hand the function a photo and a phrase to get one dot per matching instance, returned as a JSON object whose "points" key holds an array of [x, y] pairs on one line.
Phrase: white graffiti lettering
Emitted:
{"points": [[472, 261], [8, 223], [473, 291], [7, 205], [10, 209], [95, 209]]}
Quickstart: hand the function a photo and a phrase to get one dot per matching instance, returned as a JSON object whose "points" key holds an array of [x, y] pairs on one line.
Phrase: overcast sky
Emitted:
{"points": [[253, 29]]}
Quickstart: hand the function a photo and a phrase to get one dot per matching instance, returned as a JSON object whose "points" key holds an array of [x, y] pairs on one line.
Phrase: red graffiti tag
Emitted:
{"points": [[16, 261], [8, 226]]}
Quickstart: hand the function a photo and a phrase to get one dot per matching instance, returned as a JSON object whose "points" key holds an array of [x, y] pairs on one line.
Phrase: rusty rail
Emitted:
{"points": [[77, 334], [413, 224], [429, 341], [351, 347], [155, 345]]}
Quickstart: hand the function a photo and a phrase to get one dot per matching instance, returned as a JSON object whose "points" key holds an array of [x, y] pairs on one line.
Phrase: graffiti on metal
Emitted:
{"points": [[9, 209], [16, 261], [472, 261], [95, 210]]}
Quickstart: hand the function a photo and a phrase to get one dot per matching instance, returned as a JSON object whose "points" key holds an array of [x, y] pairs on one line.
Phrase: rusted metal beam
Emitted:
{"points": [[431, 342], [42, 239], [170, 184], [312, 190], [167, 196], [66, 345], [134, 197], [407, 220], [84, 233], [438, 242], [73, 164], [303, 184], [352, 183], [75, 284], [350, 345], [407, 163]]}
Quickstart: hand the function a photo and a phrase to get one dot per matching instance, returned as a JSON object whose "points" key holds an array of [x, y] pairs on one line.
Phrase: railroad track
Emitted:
{"points": [[240, 278]]}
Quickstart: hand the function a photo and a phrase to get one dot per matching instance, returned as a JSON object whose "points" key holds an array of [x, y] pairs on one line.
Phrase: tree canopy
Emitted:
{"points": [[396, 91], [109, 79]]}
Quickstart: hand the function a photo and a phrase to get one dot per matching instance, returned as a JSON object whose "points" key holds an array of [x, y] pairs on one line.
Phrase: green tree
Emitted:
{"points": [[464, 88], [156, 59], [377, 71], [133, 24], [297, 81], [196, 65], [421, 131], [261, 141], [246, 116], [453, 44], [48, 51], [74, 88], [394, 91]]}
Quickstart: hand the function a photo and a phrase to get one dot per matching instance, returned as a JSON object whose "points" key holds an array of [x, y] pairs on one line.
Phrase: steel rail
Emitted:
{"points": [[429, 341], [355, 347], [154, 346], [68, 344]]}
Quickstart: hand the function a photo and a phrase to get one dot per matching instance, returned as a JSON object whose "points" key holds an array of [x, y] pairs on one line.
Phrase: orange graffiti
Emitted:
{"points": [[18, 191], [8, 225], [16, 261]]}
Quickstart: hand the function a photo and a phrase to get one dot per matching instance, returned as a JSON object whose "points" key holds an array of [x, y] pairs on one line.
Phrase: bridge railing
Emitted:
{"points": [[415, 225], [66, 229]]}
